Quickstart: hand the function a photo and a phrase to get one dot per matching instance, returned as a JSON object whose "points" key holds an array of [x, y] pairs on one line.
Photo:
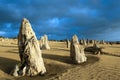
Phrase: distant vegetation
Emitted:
{"points": [[58, 40], [115, 42], [2, 37], [10, 38], [14, 38]]}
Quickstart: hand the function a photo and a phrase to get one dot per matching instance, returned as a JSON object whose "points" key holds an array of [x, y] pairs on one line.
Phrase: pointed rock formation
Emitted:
{"points": [[97, 49], [81, 42], [77, 51], [102, 42], [44, 42], [41, 42], [68, 43], [92, 41], [29, 51], [84, 42]]}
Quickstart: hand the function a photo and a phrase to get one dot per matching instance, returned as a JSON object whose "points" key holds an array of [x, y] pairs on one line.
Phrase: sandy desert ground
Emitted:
{"points": [[59, 65]]}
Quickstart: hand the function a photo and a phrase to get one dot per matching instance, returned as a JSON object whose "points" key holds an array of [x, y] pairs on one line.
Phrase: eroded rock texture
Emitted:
{"points": [[77, 51], [44, 42], [95, 49], [68, 43], [29, 51]]}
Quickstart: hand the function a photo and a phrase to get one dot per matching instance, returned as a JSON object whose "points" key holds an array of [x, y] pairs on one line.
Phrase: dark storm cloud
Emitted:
{"points": [[61, 19]]}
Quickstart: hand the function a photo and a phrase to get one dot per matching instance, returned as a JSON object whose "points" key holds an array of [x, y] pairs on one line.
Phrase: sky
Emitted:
{"points": [[61, 19]]}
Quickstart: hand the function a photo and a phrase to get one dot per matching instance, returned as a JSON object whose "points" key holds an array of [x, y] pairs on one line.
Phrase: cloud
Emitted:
{"points": [[2, 32], [61, 19]]}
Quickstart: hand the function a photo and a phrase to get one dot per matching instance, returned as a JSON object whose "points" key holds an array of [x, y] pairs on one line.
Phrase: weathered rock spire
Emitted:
{"points": [[30, 54]]}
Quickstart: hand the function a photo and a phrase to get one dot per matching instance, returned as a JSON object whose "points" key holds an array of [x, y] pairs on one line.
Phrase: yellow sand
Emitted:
{"points": [[59, 65]]}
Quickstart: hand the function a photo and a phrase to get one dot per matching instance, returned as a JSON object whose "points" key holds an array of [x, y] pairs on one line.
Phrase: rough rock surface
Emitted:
{"points": [[77, 51], [44, 42], [68, 43], [29, 51], [95, 49]]}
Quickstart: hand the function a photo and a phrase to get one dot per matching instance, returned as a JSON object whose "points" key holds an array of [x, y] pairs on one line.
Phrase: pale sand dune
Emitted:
{"points": [[58, 64]]}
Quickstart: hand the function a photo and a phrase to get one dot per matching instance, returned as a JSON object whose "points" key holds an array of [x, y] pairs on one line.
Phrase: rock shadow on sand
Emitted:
{"points": [[64, 59], [7, 64], [12, 51], [8, 46], [91, 59], [61, 49]]}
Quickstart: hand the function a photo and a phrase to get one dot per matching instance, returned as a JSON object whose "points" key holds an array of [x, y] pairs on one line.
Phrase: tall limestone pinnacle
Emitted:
{"points": [[77, 51], [44, 42], [29, 51], [68, 43]]}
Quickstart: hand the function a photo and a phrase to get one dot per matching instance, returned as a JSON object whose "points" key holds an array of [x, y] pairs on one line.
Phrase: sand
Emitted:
{"points": [[59, 65]]}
